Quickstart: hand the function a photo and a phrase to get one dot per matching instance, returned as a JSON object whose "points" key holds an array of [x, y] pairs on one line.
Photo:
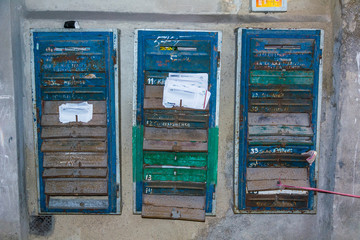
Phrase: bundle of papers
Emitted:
{"points": [[187, 90], [75, 112]]}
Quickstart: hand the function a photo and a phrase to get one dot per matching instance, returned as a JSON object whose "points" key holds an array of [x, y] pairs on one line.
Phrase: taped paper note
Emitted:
{"points": [[75, 112], [186, 90]]}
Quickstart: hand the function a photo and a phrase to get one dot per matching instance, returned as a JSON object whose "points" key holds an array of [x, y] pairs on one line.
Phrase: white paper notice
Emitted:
{"points": [[75, 112], [186, 89]]}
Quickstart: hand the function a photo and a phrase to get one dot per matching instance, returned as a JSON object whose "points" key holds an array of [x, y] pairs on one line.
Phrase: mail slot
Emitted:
{"points": [[277, 119], [175, 148], [75, 94]]}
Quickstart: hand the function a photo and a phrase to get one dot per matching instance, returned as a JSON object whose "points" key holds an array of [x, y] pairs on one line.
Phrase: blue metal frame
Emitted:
{"points": [[247, 35], [109, 91], [144, 35]]}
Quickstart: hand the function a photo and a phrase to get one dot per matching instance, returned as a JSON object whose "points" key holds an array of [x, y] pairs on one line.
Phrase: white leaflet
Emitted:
{"points": [[72, 112], [186, 89]]}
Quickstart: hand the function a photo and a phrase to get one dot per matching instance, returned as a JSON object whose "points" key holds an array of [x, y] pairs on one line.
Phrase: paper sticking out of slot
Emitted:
{"points": [[75, 112], [189, 90]]}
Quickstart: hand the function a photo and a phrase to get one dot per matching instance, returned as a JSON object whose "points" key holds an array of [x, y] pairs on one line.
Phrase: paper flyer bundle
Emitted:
{"points": [[187, 89]]}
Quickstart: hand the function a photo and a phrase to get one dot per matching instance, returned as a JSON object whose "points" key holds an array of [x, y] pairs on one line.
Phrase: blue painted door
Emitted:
{"points": [[175, 149], [76, 121], [276, 118]]}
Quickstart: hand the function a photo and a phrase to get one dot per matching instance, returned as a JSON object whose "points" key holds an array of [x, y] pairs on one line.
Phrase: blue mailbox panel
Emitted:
{"points": [[75, 95], [277, 107], [175, 149]]}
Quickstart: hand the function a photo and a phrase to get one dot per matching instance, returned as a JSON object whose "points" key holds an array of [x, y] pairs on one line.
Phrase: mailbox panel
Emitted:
{"points": [[78, 158], [175, 149], [277, 110]]}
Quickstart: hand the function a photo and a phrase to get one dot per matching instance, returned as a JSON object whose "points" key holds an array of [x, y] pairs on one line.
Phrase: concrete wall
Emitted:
{"points": [[347, 80], [12, 200], [223, 15]]}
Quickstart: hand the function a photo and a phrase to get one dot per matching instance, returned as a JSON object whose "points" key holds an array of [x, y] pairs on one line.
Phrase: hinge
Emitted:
{"points": [[117, 191], [218, 59]]}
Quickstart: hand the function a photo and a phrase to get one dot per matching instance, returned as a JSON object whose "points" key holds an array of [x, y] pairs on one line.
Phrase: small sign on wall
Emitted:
{"points": [[269, 5]]}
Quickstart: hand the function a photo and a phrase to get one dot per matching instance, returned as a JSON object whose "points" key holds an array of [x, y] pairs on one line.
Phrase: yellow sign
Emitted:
{"points": [[268, 3], [162, 48]]}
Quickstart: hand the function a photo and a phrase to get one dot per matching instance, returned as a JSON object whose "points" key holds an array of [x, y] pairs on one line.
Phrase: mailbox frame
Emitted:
{"points": [[136, 138], [239, 164], [114, 79]]}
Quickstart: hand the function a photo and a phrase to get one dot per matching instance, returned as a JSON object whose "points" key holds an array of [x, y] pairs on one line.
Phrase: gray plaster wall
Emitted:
{"points": [[13, 212], [347, 80], [334, 215]]}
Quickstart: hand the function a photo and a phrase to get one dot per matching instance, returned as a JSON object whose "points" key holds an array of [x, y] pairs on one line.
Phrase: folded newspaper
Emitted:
{"points": [[189, 90]]}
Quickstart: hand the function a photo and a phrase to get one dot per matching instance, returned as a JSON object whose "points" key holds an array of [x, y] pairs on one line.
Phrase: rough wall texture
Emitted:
{"points": [[225, 16], [347, 176], [10, 195]]}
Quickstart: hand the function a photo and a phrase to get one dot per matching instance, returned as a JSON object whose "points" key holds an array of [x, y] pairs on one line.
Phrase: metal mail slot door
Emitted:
{"points": [[175, 149], [277, 112], [75, 102]]}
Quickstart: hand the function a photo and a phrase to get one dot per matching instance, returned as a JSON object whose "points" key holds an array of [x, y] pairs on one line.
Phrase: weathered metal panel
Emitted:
{"points": [[267, 77], [290, 119], [78, 202], [168, 173], [74, 132], [277, 90], [156, 103], [74, 159], [73, 146], [77, 158], [276, 173], [271, 184], [77, 172], [176, 159], [174, 142], [175, 188], [71, 79], [275, 201], [174, 207], [176, 119], [279, 140], [176, 146], [171, 201], [68, 186], [175, 134], [52, 107], [280, 131], [53, 120]]}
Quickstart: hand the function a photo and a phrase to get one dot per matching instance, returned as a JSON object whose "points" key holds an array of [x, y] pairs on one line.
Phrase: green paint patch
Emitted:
{"points": [[213, 144], [281, 77], [176, 159], [137, 141], [174, 174]]}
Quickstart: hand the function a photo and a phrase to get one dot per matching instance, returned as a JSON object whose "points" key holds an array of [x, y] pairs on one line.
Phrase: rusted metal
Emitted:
{"points": [[277, 117], [63, 145], [68, 186], [174, 207], [157, 145], [175, 134], [76, 172], [74, 132], [75, 159]]}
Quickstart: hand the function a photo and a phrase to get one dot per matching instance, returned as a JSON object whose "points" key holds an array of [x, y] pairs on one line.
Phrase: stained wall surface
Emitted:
{"points": [[224, 16], [347, 81]]}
